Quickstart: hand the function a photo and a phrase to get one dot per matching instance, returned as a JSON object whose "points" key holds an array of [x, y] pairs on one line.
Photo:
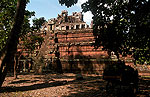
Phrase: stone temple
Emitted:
{"points": [[69, 39]]}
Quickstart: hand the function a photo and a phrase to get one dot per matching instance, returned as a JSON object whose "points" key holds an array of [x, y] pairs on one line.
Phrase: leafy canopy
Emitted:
{"points": [[37, 23], [68, 3], [7, 13], [122, 26]]}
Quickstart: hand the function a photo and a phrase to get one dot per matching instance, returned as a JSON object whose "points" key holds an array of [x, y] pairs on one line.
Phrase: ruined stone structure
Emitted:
{"points": [[69, 39], [65, 22]]}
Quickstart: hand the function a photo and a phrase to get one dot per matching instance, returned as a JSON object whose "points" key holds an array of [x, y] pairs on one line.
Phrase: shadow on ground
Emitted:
{"points": [[32, 87], [47, 81], [91, 86], [144, 90]]}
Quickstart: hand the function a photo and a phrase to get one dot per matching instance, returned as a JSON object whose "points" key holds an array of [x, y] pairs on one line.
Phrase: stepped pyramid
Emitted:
{"points": [[72, 38], [69, 39]]}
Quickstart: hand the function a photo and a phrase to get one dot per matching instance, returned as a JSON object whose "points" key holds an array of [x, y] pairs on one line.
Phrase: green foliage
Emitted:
{"points": [[26, 25], [121, 25], [30, 38], [68, 3], [7, 11], [37, 23], [142, 56]]}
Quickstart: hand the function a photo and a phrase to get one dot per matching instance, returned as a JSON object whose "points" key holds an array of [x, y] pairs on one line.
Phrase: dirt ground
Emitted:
{"points": [[64, 85]]}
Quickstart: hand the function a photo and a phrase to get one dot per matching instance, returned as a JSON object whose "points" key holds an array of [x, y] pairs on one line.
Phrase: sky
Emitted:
{"points": [[51, 8]]}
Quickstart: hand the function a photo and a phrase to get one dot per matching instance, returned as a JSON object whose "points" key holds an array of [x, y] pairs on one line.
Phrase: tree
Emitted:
{"points": [[11, 31], [8, 9], [37, 23], [121, 26], [7, 53], [28, 37], [22, 36]]}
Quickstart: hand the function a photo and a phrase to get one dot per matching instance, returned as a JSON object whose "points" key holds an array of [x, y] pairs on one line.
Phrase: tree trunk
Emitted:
{"points": [[15, 66], [11, 46]]}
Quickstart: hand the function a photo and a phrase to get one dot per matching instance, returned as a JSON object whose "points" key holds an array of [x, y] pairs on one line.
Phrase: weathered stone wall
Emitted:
{"points": [[76, 51]]}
